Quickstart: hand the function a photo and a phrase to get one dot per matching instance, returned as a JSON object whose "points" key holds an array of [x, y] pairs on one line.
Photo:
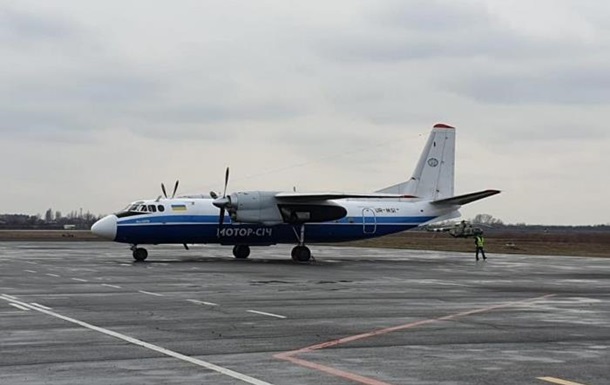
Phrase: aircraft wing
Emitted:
{"points": [[466, 198], [323, 196]]}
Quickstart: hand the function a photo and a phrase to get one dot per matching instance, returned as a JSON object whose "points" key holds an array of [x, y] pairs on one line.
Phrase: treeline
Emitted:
{"points": [[51, 221]]}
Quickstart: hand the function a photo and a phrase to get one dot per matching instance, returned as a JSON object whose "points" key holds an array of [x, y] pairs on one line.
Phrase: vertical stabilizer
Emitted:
{"points": [[433, 177]]}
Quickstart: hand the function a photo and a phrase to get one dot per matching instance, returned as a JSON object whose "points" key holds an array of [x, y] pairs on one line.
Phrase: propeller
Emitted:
{"points": [[224, 202], [173, 193], [175, 188]]}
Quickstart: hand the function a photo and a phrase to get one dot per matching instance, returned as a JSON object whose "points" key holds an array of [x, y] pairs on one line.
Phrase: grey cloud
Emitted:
{"points": [[15, 24], [575, 85], [423, 30]]}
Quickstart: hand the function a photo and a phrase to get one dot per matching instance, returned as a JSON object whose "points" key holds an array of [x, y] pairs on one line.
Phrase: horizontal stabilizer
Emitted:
{"points": [[466, 198], [305, 197]]}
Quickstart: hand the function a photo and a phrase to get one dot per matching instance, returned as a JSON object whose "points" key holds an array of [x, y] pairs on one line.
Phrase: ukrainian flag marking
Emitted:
{"points": [[178, 207]]}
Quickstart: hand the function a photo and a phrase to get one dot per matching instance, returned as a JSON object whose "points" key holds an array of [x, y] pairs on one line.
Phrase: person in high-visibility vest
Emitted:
{"points": [[479, 242]]}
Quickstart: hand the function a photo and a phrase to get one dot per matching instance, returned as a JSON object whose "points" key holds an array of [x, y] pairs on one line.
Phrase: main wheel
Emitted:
{"points": [[301, 254], [140, 254], [241, 251]]}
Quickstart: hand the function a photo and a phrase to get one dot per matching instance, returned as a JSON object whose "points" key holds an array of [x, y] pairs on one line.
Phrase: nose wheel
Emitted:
{"points": [[139, 253]]}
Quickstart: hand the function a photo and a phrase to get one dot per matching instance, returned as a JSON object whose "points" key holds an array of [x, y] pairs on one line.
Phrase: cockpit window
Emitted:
{"points": [[152, 208]]}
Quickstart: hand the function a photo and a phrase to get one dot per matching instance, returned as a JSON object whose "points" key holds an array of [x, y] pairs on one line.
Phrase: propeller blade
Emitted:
{"points": [[224, 194], [221, 219], [163, 189], [175, 188]]}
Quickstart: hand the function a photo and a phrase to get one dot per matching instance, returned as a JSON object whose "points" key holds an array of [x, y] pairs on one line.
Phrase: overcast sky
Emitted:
{"points": [[103, 100]]}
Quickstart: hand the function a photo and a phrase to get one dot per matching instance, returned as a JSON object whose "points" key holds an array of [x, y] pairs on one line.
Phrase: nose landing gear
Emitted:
{"points": [[139, 253]]}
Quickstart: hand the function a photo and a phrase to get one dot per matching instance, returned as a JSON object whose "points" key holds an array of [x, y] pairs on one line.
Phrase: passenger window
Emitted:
{"points": [[161, 208], [152, 208]]}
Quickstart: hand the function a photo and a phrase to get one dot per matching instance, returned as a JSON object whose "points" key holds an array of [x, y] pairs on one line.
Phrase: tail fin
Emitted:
{"points": [[433, 177]]}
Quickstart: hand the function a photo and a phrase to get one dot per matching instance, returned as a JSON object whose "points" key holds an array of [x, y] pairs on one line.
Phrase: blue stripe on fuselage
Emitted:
{"points": [[204, 229]]}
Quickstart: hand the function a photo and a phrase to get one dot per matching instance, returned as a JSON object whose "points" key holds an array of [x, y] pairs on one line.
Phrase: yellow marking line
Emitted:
{"points": [[558, 381]]}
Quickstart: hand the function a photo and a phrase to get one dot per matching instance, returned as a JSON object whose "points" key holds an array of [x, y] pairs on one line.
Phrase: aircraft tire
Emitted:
{"points": [[301, 254], [241, 251], [140, 254]]}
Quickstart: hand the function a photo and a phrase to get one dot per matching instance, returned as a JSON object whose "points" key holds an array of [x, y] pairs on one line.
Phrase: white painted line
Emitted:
{"points": [[202, 302], [37, 305], [19, 306], [558, 381], [10, 296], [53, 275], [31, 263], [79, 280], [112, 286], [159, 349], [32, 271], [124, 264], [150, 293], [263, 313]]}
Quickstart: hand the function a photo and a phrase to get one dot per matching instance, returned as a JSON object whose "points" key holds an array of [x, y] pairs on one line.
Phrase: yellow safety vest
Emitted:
{"points": [[480, 241]]}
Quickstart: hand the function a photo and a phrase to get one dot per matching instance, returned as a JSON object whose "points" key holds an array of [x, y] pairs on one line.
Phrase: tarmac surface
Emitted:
{"points": [[75, 313]]}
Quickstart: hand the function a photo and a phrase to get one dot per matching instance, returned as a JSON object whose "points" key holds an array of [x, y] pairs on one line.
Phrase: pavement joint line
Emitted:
{"points": [[558, 381], [112, 286], [267, 314], [151, 293], [147, 345], [19, 306], [202, 302], [79, 280], [290, 355]]}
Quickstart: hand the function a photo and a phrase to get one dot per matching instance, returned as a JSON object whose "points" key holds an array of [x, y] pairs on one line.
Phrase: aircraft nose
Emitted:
{"points": [[105, 227]]}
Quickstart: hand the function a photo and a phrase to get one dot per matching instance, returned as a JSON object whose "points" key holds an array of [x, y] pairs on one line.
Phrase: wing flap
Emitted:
{"points": [[460, 200]]}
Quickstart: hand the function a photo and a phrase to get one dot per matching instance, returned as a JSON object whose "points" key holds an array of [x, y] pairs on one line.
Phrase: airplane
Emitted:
{"points": [[463, 229], [264, 218]]}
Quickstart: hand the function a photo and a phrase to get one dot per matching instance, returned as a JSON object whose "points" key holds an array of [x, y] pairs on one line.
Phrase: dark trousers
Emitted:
{"points": [[482, 252]]}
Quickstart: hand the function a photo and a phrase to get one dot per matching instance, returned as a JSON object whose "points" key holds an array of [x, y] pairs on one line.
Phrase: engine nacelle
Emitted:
{"points": [[255, 207]]}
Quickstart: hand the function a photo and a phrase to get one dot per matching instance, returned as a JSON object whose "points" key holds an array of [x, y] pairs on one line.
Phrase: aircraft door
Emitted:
{"points": [[369, 221]]}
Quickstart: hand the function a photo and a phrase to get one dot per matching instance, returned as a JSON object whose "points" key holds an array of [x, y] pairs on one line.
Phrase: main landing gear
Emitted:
{"points": [[301, 253], [139, 253], [241, 251]]}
